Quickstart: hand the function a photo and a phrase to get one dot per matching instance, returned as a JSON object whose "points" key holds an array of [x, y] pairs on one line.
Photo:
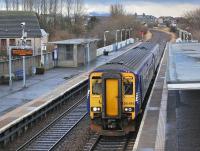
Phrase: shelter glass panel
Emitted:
{"points": [[69, 52]]}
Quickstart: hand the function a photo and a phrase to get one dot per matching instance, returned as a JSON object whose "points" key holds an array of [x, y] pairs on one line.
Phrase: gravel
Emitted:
{"points": [[37, 126]]}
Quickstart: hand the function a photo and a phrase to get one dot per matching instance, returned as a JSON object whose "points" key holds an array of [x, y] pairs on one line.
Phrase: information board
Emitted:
{"points": [[22, 52]]}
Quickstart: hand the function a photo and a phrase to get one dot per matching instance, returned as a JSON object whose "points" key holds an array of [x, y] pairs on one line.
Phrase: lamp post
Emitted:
{"points": [[121, 34], [24, 35], [105, 37], [116, 38], [126, 36], [131, 29]]}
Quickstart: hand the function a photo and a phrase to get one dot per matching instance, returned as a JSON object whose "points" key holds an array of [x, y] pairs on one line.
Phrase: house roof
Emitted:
{"points": [[10, 24], [74, 41]]}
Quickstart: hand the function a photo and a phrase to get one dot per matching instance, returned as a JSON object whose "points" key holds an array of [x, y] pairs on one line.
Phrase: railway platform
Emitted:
{"points": [[41, 84], [19, 105], [171, 118]]}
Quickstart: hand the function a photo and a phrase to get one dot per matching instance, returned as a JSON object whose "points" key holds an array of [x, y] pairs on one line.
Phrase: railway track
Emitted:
{"points": [[105, 143], [125, 143], [50, 136]]}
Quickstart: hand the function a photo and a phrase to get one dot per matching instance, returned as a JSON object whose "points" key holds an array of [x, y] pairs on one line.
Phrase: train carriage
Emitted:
{"points": [[117, 89]]}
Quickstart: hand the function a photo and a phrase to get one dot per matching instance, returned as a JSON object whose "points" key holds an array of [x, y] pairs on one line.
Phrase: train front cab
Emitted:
{"points": [[112, 102]]}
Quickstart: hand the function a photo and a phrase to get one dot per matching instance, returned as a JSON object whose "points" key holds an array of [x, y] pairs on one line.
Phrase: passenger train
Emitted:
{"points": [[117, 89]]}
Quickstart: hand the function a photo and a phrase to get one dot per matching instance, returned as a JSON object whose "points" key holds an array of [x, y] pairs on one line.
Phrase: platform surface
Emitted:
{"points": [[184, 66], [183, 121], [151, 135]]}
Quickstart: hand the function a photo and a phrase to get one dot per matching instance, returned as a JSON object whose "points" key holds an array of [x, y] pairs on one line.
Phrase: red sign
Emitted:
{"points": [[22, 52], [141, 33]]}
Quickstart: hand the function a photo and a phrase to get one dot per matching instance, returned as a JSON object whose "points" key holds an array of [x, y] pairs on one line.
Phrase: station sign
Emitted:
{"points": [[22, 52]]}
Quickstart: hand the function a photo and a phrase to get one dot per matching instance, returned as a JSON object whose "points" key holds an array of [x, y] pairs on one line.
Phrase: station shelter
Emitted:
{"points": [[75, 52]]}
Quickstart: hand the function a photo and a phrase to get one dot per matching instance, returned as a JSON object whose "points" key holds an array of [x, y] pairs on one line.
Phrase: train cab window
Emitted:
{"points": [[96, 85], [128, 87]]}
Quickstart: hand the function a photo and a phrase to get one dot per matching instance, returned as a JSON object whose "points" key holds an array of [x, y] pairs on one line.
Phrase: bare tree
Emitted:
{"points": [[117, 10], [78, 10], [192, 23], [7, 4], [69, 4]]}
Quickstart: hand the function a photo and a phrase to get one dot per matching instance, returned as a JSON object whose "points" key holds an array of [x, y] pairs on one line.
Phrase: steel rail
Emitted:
{"points": [[51, 135]]}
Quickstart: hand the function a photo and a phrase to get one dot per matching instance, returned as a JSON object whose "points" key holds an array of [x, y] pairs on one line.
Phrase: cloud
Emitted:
{"points": [[156, 9]]}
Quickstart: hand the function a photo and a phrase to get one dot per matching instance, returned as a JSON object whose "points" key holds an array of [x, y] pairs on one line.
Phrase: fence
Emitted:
{"points": [[31, 63], [113, 47]]}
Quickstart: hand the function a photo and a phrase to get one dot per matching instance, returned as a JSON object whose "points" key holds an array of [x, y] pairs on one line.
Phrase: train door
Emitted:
{"points": [[112, 97]]}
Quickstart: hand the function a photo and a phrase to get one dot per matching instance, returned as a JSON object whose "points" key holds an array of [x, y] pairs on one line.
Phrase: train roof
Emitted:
{"points": [[129, 61]]}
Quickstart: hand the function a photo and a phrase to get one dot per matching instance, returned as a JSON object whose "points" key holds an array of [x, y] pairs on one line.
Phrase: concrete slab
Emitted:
{"points": [[183, 119]]}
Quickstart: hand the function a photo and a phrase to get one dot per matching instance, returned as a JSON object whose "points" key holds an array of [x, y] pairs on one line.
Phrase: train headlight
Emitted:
{"points": [[96, 109], [129, 109]]}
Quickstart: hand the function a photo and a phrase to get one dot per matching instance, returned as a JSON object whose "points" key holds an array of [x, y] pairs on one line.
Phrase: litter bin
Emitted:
{"points": [[40, 70], [105, 53]]}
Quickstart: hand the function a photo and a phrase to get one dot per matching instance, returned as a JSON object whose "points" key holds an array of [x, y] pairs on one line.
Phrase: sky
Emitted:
{"points": [[175, 8]]}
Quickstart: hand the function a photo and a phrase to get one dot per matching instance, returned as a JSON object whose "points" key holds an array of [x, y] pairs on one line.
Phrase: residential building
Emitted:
{"points": [[11, 30]]}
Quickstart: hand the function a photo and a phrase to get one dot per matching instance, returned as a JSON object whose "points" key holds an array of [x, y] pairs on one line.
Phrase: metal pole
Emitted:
{"points": [[142, 36], [104, 39], [24, 61], [126, 35], [116, 39], [10, 68], [121, 35], [24, 72]]}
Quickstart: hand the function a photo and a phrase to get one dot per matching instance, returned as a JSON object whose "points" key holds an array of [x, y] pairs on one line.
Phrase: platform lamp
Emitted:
{"points": [[116, 38], [121, 34], [23, 39], [105, 37]]}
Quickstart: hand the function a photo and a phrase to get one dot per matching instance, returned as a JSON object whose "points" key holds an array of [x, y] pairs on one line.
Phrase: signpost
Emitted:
{"points": [[21, 50]]}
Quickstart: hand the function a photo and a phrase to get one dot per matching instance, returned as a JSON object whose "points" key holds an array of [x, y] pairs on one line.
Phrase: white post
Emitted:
{"points": [[116, 39], [24, 72], [180, 34], [105, 39], [121, 35], [88, 52], [126, 35], [10, 68], [24, 58]]}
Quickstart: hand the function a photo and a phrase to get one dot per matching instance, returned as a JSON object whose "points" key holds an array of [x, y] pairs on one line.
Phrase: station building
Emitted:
{"points": [[75, 52]]}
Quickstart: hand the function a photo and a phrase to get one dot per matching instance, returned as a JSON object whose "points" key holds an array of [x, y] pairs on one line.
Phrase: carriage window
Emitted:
{"points": [[96, 85], [128, 87]]}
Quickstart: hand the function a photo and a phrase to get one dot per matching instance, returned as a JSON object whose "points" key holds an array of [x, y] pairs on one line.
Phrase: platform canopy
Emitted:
{"points": [[184, 66]]}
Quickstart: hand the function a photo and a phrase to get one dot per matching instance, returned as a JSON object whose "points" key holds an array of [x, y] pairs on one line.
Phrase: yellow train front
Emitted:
{"points": [[117, 89]]}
